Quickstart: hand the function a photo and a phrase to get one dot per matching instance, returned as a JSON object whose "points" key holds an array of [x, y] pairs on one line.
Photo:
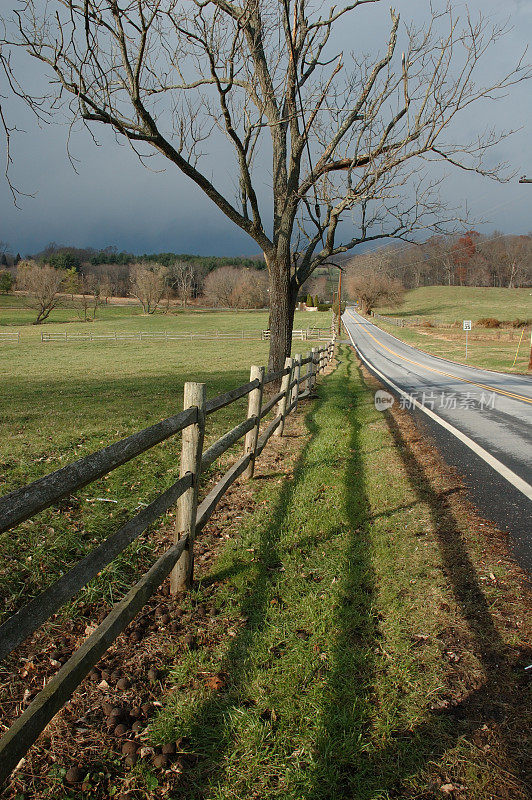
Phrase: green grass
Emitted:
{"points": [[60, 402], [450, 304], [317, 602], [15, 315], [486, 351]]}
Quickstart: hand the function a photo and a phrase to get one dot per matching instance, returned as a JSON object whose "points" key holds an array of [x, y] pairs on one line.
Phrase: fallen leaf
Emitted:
{"points": [[215, 682]]}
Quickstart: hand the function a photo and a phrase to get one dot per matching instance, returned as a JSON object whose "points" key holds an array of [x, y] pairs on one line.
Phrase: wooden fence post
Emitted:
{"points": [[297, 373], [285, 384], [191, 451], [314, 368], [308, 382], [254, 408]]}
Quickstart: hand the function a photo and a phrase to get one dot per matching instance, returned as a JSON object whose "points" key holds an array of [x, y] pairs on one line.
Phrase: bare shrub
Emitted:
{"points": [[251, 291], [219, 286], [232, 287]]}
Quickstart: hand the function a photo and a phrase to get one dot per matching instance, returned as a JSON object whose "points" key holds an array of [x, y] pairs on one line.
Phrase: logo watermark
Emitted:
{"points": [[449, 401], [383, 400], [444, 401]]}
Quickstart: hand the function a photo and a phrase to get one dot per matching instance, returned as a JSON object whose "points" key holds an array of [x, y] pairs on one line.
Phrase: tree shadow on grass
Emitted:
{"points": [[345, 718], [209, 734], [499, 703]]}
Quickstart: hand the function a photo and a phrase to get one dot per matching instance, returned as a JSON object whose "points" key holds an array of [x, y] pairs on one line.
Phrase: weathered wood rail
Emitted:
{"points": [[177, 562]]}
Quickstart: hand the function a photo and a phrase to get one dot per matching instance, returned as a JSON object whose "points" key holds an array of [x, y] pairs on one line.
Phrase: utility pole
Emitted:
{"points": [[524, 179], [340, 303]]}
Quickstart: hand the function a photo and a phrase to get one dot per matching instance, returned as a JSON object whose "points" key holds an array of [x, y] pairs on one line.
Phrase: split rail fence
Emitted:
{"points": [[177, 562]]}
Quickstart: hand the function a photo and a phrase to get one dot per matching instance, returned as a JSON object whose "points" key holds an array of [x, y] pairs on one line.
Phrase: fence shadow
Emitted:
{"points": [[345, 719], [208, 733], [366, 771]]}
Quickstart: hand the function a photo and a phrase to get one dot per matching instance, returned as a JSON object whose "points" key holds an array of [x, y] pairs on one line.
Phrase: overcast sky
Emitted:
{"points": [[112, 200]]}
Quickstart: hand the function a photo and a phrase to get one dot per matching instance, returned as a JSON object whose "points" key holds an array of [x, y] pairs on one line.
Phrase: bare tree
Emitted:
{"points": [[89, 297], [182, 279], [348, 137], [42, 284], [219, 286], [517, 253], [105, 289], [373, 287], [148, 284]]}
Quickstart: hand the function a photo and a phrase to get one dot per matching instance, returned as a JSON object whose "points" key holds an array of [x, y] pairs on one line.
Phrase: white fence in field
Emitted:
{"points": [[10, 336], [301, 334]]}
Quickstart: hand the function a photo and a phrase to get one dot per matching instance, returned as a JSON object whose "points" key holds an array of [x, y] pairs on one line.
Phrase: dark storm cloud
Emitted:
{"points": [[112, 199]]}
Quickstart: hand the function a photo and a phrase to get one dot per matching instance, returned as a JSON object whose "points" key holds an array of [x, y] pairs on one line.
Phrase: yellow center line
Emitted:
{"points": [[440, 372]]}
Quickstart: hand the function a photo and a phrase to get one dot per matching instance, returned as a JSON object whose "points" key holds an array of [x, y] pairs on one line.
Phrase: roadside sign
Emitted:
{"points": [[467, 327]]}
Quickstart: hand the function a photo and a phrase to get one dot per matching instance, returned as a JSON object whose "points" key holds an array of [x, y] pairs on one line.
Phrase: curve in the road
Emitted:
{"points": [[439, 371], [506, 472]]}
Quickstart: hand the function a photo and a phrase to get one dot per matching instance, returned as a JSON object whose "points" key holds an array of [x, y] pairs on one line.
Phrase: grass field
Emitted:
{"points": [[450, 305], [60, 402], [15, 315]]}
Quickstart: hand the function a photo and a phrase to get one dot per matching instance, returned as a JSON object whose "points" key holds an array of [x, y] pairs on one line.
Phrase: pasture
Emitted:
{"points": [[449, 304], [432, 306], [61, 401]]}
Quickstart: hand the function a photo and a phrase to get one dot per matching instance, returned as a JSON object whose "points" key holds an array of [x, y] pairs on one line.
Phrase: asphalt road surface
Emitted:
{"points": [[481, 420]]}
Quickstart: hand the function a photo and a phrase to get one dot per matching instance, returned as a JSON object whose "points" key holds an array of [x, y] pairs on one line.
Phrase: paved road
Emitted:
{"points": [[482, 421]]}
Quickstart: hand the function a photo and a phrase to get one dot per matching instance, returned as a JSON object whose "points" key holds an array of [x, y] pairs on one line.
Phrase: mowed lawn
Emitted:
{"points": [[496, 349], [16, 315], [62, 401]]}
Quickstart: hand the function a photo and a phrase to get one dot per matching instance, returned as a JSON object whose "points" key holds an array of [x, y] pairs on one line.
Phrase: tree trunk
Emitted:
{"points": [[283, 299]]}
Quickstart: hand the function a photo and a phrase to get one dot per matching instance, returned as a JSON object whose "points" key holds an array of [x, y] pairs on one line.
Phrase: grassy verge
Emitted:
{"points": [[486, 349], [365, 633]]}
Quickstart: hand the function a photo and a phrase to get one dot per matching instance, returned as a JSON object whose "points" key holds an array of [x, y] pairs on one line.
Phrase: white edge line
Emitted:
{"points": [[439, 358], [517, 482]]}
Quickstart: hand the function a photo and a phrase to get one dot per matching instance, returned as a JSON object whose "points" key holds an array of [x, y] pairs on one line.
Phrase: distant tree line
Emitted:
{"points": [[466, 259], [379, 277], [92, 277]]}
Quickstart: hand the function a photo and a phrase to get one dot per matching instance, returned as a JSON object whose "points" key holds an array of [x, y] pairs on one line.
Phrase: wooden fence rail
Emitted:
{"points": [[177, 561]]}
